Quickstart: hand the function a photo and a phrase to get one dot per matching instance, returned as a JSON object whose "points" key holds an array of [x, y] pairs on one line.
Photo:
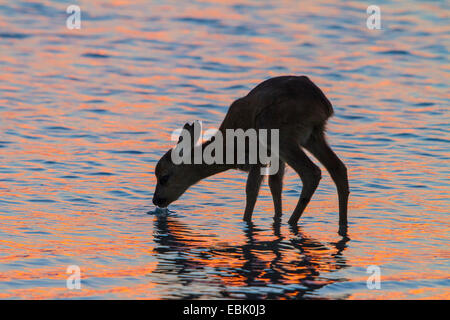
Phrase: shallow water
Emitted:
{"points": [[85, 114]]}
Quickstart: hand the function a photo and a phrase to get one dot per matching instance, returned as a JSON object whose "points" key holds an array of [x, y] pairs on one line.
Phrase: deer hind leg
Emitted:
{"points": [[254, 181], [319, 147], [310, 174], [276, 186]]}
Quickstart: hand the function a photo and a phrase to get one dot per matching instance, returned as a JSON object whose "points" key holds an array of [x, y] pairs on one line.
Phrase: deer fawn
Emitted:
{"points": [[299, 110]]}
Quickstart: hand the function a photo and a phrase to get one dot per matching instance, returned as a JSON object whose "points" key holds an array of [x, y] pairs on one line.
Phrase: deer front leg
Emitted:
{"points": [[252, 189], [276, 186]]}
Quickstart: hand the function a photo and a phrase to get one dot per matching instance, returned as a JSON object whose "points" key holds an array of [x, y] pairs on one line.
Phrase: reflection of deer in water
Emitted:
{"points": [[299, 110], [174, 241], [306, 270], [313, 258]]}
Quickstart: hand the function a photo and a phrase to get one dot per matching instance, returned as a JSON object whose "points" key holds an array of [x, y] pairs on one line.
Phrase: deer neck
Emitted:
{"points": [[204, 170]]}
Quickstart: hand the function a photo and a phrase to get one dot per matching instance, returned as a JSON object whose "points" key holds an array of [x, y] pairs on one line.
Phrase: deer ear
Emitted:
{"points": [[190, 128], [187, 126], [180, 138]]}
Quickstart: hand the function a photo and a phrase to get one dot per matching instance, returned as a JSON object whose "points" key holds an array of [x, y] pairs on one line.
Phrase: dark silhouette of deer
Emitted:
{"points": [[299, 110]]}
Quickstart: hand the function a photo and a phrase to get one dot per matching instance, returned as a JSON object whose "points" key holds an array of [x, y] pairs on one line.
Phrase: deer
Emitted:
{"points": [[299, 110]]}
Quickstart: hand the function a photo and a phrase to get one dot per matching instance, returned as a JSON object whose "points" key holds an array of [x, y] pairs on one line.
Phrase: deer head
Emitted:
{"points": [[174, 179]]}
